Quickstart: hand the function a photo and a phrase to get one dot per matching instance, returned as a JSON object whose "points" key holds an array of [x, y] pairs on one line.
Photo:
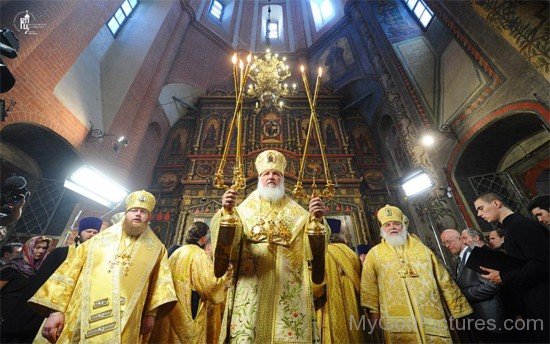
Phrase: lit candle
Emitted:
{"points": [[320, 71], [302, 68], [256, 105], [284, 58], [294, 85], [281, 103], [234, 59], [285, 85], [249, 58]]}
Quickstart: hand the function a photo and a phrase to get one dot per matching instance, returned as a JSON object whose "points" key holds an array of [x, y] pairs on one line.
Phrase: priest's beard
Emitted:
{"points": [[134, 229], [399, 240], [270, 193]]}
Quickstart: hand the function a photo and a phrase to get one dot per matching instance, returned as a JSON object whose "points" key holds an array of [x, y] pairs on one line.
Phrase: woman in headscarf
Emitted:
{"points": [[191, 320], [18, 322]]}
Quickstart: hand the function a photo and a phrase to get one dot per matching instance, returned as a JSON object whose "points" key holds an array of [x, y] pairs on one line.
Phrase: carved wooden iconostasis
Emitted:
{"points": [[185, 171]]}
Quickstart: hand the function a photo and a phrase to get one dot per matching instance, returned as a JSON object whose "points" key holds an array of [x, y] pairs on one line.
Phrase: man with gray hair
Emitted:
{"points": [[405, 287], [482, 295], [472, 237]]}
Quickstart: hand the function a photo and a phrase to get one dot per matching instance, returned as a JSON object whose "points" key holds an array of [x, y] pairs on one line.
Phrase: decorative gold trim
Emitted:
{"points": [[101, 316], [101, 303], [100, 330], [62, 279]]}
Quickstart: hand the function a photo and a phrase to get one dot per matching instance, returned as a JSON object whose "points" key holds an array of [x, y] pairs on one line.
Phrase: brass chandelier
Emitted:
{"points": [[268, 74]]}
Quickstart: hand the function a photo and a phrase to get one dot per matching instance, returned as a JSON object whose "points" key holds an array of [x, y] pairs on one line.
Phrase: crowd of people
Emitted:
{"points": [[281, 274]]}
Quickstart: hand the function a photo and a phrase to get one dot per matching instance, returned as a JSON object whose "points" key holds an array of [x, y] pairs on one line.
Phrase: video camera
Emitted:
{"points": [[12, 193]]}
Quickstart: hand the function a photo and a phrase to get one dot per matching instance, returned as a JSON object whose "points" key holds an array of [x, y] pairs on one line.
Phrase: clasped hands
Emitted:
{"points": [[492, 275]]}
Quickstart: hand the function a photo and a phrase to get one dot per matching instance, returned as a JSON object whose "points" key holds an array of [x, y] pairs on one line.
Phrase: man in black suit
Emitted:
{"points": [[527, 240], [482, 295]]}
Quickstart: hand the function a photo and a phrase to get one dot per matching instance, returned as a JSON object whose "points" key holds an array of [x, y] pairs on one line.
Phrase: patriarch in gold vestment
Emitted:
{"points": [[341, 301], [271, 296], [193, 320], [406, 288], [113, 287]]}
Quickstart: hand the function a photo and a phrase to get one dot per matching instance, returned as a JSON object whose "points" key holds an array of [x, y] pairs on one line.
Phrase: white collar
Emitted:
{"points": [[464, 253]]}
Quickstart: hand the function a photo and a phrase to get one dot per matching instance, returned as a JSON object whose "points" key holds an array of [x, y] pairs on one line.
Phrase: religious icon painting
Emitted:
{"points": [[168, 180], [331, 136], [362, 141], [205, 169], [271, 129], [177, 142], [210, 133], [338, 168], [374, 179], [303, 132], [313, 169]]}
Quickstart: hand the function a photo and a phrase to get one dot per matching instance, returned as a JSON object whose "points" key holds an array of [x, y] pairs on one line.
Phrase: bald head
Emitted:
{"points": [[452, 240]]}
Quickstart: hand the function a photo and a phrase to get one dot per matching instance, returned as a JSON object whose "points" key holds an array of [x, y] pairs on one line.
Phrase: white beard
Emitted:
{"points": [[399, 240], [270, 193]]}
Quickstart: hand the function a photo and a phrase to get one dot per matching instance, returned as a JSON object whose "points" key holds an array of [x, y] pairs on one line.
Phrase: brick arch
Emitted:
{"points": [[485, 122], [68, 127]]}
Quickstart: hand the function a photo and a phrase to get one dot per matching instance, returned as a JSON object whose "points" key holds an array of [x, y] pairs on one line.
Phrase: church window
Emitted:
{"points": [[273, 30], [121, 16], [322, 11], [421, 11], [272, 23], [216, 9]]}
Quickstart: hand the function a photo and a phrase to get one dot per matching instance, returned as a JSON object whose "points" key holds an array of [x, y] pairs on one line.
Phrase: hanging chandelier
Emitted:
{"points": [[268, 73]]}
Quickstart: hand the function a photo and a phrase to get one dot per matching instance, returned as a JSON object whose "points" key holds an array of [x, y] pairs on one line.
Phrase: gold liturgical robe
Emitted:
{"points": [[270, 300], [407, 287], [104, 302], [192, 270], [342, 279]]}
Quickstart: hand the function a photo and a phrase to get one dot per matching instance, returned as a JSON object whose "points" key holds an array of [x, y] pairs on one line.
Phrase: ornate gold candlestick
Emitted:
{"points": [[230, 219], [315, 229]]}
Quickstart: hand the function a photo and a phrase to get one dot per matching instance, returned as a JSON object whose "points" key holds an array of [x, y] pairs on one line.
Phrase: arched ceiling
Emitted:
{"points": [[53, 154], [487, 149]]}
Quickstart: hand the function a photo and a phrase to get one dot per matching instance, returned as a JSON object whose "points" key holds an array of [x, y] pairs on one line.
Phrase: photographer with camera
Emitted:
{"points": [[13, 196]]}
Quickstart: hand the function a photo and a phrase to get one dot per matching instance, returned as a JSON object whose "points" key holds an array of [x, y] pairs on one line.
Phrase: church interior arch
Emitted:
{"points": [[493, 151], [35, 153]]}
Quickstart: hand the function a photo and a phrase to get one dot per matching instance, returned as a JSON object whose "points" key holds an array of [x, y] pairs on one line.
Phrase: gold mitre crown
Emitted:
{"points": [[390, 213], [141, 199], [270, 160]]}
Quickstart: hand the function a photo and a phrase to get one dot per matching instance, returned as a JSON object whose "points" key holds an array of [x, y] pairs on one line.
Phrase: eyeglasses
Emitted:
{"points": [[450, 241]]}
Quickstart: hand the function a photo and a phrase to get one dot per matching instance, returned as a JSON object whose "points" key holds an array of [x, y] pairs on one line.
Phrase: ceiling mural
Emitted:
{"points": [[524, 24]]}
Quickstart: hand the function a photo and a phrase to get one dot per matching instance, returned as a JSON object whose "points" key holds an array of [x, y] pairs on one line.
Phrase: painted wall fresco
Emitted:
{"points": [[397, 23], [524, 24]]}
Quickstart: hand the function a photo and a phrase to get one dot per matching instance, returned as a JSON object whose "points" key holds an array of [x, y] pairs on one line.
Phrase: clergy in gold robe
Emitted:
{"points": [[406, 288], [341, 302], [113, 287], [197, 290], [271, 296]]}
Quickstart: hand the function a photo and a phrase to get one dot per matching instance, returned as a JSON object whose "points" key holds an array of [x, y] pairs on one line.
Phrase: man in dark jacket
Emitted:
{"points": [[482, 295], [527, 240]]}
